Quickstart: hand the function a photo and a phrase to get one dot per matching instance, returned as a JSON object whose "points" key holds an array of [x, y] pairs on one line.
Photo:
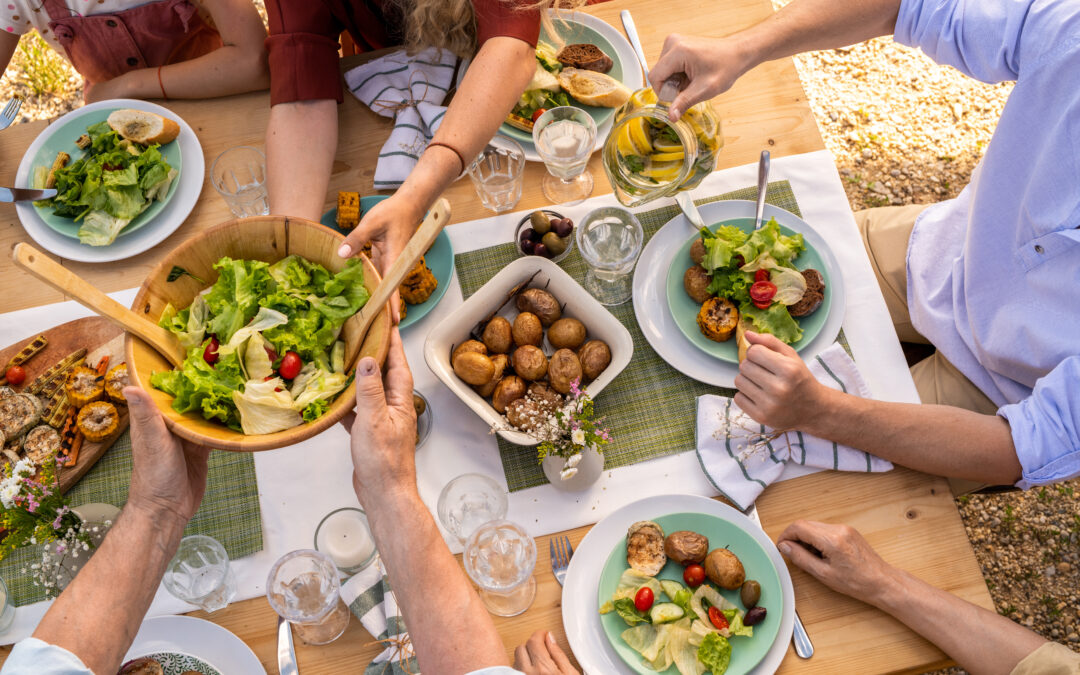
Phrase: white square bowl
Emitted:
{"points": [[600, 324]]}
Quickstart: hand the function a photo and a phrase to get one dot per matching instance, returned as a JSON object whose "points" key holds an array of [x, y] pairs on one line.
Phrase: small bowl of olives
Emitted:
{"points": [[545, 233]]}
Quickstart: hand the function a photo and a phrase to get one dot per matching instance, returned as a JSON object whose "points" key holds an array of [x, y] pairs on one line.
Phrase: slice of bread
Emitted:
{"points": [[740, 336], [143, 127], [592, 88], [586, 57]]}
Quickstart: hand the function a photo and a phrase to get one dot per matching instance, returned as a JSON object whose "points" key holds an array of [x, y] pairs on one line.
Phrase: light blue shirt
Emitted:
{"points": [[994, 275]]}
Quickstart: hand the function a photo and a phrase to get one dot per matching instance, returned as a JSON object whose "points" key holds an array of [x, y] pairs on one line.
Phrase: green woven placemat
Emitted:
{"points": [[647, 384], [229, 511]]}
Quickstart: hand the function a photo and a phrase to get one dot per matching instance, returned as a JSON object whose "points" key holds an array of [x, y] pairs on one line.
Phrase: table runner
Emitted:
{"points": [[229, 511], [647, 383]]}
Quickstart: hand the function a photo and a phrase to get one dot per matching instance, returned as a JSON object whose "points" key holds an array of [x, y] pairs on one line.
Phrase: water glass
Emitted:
{"points": [[7, 615], [500, 557], [345, 536], [303, 589], [610, 240], [498, 173], [469, 501], [239, 175], [564, 139], [199, 573]]}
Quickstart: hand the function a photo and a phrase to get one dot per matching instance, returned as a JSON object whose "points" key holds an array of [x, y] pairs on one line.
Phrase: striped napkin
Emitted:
{"points": [[409, 89], [370, 598], [741, 457]]}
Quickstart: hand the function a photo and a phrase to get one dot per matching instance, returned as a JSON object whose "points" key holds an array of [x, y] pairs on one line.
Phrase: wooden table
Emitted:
{"points": [[909, 517]]}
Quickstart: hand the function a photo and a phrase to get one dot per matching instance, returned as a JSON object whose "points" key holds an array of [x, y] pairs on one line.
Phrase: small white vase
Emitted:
{"points": [[588, 471]]}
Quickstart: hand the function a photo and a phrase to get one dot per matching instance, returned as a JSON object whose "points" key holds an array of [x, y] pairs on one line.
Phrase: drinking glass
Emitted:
{"points": [[610, 241], [303, 588], [239, 175], [500, 557], [564, 139], [469, 501], [498, 173], [199, 573], [7, 616], [345, 536]]}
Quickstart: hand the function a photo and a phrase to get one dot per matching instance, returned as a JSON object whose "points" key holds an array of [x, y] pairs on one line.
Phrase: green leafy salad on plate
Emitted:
{"points": [[114, 181], [263, 353]]}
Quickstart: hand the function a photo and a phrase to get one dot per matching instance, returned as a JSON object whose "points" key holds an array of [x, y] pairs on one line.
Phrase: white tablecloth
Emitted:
{"points": [[300, 484]]}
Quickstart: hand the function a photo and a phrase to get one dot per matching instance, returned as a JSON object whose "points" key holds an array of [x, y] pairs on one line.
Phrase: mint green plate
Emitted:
{"points": [[685, 310], [63, 140], [571, 32], [745, 652]]}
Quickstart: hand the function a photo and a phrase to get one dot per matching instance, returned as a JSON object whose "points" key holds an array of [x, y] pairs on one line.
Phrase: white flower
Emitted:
{"points": [[578, 437], [7, 495], [568, 473], [573, 461]]}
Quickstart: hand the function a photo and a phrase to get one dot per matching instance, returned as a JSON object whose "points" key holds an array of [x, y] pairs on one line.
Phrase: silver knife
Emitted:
{"points": [[803, 647], [23, 195], [286, 657]]}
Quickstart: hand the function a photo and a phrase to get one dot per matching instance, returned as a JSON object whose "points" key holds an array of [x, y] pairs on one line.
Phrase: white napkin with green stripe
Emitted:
{"points": [[409, 89], [741, 457], [370, 598]]}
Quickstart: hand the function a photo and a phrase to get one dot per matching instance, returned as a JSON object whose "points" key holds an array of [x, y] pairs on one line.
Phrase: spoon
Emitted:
{"points": [[635, 42], [71, 284], [762, 187]]}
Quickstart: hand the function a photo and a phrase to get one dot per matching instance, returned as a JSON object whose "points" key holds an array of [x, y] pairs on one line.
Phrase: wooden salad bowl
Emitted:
{"points": [[266, 238]]}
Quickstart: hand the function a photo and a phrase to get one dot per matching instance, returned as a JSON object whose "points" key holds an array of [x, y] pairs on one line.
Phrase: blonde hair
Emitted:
{"points": [[451, 24]]}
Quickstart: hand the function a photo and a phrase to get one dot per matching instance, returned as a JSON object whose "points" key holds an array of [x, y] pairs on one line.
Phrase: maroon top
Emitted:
{"points": [[303, 42]]}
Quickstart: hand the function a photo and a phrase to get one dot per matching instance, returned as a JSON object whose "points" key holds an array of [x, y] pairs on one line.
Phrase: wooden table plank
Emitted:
{"points": [[909, 517]]}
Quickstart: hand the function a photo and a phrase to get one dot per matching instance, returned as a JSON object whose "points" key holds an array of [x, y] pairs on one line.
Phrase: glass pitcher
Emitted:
{"points": [[647, 156]]}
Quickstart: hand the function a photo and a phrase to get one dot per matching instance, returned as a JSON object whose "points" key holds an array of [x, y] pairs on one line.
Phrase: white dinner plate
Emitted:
{"points": [[580, 614], [170, 217], [650, 293], [197, 637], [632, 76]]}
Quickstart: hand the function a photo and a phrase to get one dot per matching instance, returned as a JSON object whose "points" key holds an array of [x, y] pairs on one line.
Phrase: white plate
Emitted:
{"points": [[198, 637], [579, 611], [600, 324], [632, 76], [153, 233], [650, 294]]}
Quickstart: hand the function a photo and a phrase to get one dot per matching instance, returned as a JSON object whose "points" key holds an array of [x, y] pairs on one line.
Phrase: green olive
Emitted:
{"points": [[750, 593], [540, 223], [555, 243]]}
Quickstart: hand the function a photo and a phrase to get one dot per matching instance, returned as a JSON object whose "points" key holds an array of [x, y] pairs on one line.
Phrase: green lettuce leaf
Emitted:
{"points": [[721, 246], [715, 653], [101, 229], [775, 320], [629, 613], [265, 407], [790, 285], [198, 386], [769, 239], [736, 625], [316, 409], [189, 325], [731, 284], [234, 297]]}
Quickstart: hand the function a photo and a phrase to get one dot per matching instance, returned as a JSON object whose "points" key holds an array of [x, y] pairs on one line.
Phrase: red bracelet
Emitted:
{"points": [[161, 84], [451, 149]]}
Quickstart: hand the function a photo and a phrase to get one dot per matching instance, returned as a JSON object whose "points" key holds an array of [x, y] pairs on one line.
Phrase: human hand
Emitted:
{"points": [[541, 655], [837, 556], [711, 64], [384, 427], [168, 476], [388, 226], [104, 91], [775, 386]]}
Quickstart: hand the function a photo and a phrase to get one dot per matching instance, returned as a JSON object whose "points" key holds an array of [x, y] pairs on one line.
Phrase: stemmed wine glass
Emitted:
{"points": [[564, 139]]}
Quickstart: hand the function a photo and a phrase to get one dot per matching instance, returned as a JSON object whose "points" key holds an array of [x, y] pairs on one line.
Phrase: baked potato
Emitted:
{"points": [[724, 569], [547, 398], [595, 356], [697, 251], [498, 336], [541, 303], [530, 363], [474, 368], [563, 370], [566, 333], [508, 390], [696, 282], [645, 547], [469, 346], [527, 330], [501, 361], [717, 319], [686, 547], [524, 414]]}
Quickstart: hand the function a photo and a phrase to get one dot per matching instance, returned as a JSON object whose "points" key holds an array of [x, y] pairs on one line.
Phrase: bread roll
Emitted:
{"points": [[143, 127], [592, 88]]}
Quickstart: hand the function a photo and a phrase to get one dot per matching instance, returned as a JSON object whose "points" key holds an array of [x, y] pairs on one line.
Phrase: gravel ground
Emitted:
{"points": [[904, 131]]}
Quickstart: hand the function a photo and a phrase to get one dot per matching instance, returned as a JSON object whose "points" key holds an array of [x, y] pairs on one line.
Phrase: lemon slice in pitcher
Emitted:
{"points": [[662, 156], [639, 135], [662, 171]]}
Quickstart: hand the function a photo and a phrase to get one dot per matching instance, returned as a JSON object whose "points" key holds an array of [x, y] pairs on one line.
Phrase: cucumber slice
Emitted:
{"points": [[670, 588], [665, 612]]}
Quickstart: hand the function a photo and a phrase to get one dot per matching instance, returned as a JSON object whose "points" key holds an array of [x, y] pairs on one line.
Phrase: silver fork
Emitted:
{"points": [[10, 111], [803, 647], [561, 552]]}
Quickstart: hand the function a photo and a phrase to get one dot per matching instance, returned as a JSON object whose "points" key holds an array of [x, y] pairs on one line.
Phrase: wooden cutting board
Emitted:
{"points": [[99, 337]]}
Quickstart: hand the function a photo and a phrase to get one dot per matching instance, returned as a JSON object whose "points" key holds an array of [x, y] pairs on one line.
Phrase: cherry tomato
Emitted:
{"points": [[644, 599], [210, 354], [762, 305], [694, 575], [15, 375], [761, 275], [762, 291], [290, 365], [717, 618], [538, 113]]}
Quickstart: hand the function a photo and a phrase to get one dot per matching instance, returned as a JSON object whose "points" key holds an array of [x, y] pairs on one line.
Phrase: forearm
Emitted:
{"points": [[431, 589], [937, 439], [224, 71], [981, 641], [98, 614], [807, 25], [301, 141]]}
